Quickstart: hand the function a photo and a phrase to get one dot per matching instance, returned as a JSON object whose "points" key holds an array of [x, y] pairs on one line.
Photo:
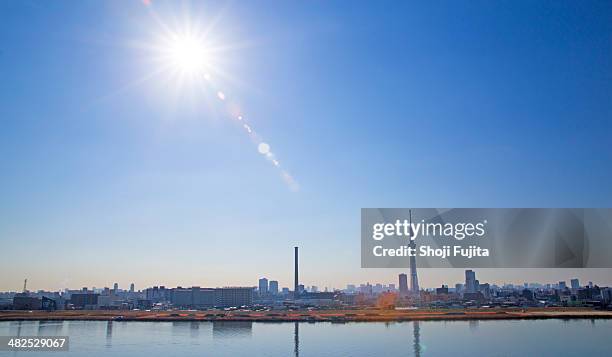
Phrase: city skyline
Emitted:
{"points": [[485, 276], [111, 169]]}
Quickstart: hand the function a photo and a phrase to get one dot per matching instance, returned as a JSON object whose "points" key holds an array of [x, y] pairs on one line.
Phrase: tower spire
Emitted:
{"points": [[414, 280]]}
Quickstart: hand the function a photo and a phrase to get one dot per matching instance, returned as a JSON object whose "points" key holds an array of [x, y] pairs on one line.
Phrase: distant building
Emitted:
{"points": [[584, 294], [403, 284], [158, 294], [476, 296], [194, 297], [143, 304], [132, 287], [115, 288], [317, 298], [562, 285], [85, 301], [528, 294], [443, 290], [201, 298], [263, 287], [470, 281], [233, 296], [111, 301], [348, 299], [49, 304], [575, 283], [181, 297], [273, 287], [24, 302], [459, 288], [606, 295], [485, 289]]}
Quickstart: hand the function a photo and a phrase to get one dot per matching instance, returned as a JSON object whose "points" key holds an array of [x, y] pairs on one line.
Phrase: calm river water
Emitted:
{"points": [[425, 338]]}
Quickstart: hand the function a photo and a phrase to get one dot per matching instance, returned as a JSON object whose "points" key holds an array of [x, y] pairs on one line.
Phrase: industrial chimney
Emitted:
{"points": [[296, 283]]}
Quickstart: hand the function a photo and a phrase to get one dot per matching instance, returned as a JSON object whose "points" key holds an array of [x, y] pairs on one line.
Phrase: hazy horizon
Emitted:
{"points": [[115, 168], [428, 278]]}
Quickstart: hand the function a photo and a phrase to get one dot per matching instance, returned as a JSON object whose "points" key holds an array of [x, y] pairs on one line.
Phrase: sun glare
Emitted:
{"points": [[189, 57], [187, 54]]}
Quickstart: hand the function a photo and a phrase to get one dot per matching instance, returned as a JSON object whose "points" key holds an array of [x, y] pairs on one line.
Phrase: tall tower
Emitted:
{"points": [[296, 281], [403, 284], [470, 281], [414, 280]]}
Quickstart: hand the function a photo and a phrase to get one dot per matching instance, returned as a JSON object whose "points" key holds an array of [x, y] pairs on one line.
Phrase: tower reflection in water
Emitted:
{"points": [[109, 334], [232, 329], [416, 344], [244, 329], [296, 339]]}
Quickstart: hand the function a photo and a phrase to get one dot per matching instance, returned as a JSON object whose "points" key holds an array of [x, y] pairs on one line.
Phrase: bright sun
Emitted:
{"points": [[187, 54]]}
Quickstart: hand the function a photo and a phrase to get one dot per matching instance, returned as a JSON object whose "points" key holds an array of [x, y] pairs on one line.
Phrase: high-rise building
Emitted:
{"points": [[403, 284], [470, 281], [263, 286], [115, 287], [575, 283], [414, 280], [485, 289], [562, 285], [273, 287], [132, 287], [458, 288]]}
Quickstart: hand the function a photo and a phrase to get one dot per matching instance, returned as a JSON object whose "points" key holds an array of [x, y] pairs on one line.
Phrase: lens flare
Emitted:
{"points": [[263, 148], [187, 53]]}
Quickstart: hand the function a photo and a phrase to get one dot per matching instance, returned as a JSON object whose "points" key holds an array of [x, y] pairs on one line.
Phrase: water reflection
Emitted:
{"points": [[296, 339], [19, 324], [538, 337], [232, 329], [109, 334], [194, 329], [49, 328], [416, 344]]}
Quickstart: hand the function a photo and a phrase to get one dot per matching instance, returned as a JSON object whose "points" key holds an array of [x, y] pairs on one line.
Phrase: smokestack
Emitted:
{"points": [[297, 281]]}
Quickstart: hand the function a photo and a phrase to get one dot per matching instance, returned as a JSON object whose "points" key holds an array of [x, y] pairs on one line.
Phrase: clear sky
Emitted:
{"points": [[113, 170]]}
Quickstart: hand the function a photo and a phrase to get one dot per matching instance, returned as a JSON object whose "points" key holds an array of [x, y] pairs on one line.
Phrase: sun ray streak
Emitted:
{"points": [[191, 55], [262, 146]]}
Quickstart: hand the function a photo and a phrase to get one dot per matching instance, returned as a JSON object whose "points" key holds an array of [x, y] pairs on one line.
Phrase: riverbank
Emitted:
{"points": [[364, 315]]}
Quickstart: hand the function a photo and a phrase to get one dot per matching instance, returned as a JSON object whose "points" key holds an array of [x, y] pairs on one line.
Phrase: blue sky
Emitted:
{"points": [[108, 177]]}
